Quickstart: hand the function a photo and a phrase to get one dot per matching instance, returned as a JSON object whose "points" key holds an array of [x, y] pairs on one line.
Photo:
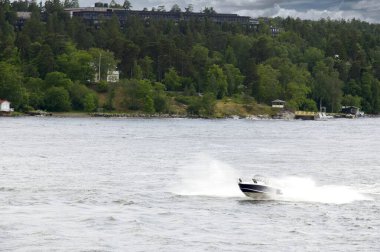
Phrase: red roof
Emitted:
{"points": [[1, 101]]}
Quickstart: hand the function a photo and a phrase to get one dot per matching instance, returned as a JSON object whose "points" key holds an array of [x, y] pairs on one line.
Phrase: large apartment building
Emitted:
{"points": [[94, 14]]}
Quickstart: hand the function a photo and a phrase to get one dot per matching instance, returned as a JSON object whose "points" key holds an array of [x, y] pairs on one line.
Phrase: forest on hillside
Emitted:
{"points": [[51, 62]]}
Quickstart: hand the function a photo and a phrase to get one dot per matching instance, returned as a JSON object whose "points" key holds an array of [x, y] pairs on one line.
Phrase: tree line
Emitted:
{"points": [[52, 61]]}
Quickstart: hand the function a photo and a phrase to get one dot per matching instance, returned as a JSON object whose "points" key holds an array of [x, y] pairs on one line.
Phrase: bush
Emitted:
{"points": [[101, 87], [149, 105], [208, 104], [78, 93], [187, 100], [204, 106], [90, 102], [160, 103], [57, 99], [194, 107]]}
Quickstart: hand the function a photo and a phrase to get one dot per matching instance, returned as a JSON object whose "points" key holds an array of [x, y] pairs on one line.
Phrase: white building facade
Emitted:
{"points": [[113, 76]]}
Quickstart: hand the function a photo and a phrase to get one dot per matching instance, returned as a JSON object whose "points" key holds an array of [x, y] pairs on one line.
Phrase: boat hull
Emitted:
{"points": [[259, 192]]}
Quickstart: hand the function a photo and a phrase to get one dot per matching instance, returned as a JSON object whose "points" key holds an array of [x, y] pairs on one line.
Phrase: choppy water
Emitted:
{"points": [[170, 185]]}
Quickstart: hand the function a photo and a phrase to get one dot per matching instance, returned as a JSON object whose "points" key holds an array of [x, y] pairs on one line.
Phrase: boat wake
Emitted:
{"points": [[210, 177], [306, 190]]}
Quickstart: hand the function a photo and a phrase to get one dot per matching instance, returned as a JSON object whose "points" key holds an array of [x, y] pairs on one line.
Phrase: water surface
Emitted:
{"points": [[94, 184]]}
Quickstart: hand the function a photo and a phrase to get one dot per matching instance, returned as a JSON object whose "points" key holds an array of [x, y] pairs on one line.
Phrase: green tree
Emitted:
{"points": [[146, 65], [200, 59], [298, 95], [127, 5], [376, 62], [114, 4], [71, 4], [57, 99], [34, 29], [202, 106], [208, 104], [102, 60], [262, 49], [370, 90], [230, 56], [160, 99], [209, 11], [295, 81], [175, 8], [313, 55], [199, 54], [11, 85], [58, 79], [189, 8], [7, 35], [77, 64], [90, 102], [35, 88], [352, 87], [235, 79], [137, 72], [78, 92], [128, 56], [241, 45], [217, 81], [349, 100], [135, 93], [149, 104], [269, 87], [327, 85], [45, 60], [172, 80]]}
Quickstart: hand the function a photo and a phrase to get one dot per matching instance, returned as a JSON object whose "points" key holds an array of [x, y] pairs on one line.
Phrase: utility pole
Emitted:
{"points": [[100, 61]]}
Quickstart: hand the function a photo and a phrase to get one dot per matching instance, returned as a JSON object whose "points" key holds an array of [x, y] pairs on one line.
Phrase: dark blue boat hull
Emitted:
{"points": [[258, 191]]}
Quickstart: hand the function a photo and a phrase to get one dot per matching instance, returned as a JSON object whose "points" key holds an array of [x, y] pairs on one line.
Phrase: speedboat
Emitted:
{"points": [[258, 188]]}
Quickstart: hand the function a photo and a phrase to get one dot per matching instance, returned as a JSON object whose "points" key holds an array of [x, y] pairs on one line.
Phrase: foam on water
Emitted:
{"points": [[305, 189]]}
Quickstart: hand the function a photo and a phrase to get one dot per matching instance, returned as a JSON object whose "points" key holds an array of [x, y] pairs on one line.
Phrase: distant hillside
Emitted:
{"points": [[53, 60]]}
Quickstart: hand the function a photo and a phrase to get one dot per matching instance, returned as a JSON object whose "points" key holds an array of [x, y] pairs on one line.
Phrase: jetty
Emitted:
{"points": [[305, 115]]}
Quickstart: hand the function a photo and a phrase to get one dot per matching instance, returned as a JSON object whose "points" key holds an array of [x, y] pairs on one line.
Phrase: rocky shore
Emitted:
{"points": [[281, 115]]}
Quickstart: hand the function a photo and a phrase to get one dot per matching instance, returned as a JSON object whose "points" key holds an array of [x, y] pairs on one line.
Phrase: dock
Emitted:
{"points": [[305, 115]]}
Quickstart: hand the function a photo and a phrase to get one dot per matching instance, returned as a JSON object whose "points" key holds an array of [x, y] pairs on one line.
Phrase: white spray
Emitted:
{"points": [[207, 177]]}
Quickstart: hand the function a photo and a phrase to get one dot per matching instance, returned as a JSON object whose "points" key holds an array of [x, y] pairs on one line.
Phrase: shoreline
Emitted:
{"points": [[284, 116]]}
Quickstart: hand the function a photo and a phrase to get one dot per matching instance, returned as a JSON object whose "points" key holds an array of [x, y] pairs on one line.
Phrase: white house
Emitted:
{"points": [[112, 76], [5, 106]]}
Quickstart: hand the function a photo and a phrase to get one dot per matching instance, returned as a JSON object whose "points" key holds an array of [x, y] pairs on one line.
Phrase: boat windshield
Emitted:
{"points": [[260, 178]]}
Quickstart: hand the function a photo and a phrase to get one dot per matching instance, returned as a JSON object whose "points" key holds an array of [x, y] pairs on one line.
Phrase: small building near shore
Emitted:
{"points": [[278, 104], [5, 106]]}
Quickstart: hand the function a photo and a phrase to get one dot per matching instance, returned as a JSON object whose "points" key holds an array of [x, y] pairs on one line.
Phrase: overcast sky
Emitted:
{"points": [[367, 10]]}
